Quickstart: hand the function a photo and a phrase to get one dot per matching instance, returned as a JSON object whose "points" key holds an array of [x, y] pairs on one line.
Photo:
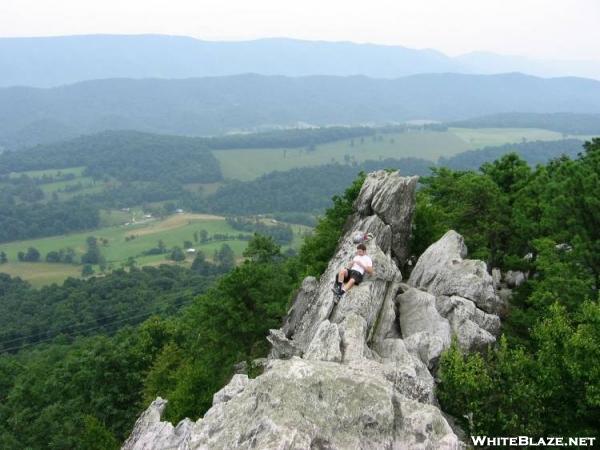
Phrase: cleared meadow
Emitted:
{"points": [[248, 164], [125, 242]]}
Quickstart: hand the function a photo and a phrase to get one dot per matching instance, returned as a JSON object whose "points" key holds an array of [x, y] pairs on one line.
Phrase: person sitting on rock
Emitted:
{"points": [[353, 274]]}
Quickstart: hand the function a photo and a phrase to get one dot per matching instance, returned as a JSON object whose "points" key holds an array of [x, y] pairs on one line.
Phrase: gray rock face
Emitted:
{"points": [[424, 330], [149, 433], [441, 270], [326, 343], [356, 374], [301, 303], [235, 386], [497, 277], [281, 346], [392, 198], [514, 278]]}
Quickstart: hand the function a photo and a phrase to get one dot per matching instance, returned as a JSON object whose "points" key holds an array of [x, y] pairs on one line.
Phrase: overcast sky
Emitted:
{"points": [[558, 29]]}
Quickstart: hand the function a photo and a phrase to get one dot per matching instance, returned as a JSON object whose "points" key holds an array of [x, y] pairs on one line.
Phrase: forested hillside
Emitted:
{"points": [[533, 153], [568, 123], [305, 189], [209, 106], [123, 155]]}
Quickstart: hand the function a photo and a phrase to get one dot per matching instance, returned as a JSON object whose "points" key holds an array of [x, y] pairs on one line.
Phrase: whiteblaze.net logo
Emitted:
{"points": [[527, 441]]}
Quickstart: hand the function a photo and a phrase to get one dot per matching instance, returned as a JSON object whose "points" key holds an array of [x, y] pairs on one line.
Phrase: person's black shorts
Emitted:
{"points": [[357, 276]]}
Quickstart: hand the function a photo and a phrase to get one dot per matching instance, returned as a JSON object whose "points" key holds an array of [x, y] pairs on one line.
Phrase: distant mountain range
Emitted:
{"points": [[216, 105], [54, 61]]}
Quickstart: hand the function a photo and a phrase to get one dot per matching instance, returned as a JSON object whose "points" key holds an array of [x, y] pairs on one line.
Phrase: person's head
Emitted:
{"points": [[361, 249]]}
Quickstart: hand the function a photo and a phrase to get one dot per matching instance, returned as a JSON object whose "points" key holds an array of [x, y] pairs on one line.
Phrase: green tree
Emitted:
{"points": [[510, 172], [225, 258], [32, 255], [177, 254], [3, 257], [203, 236], [53, 256], [474, 206], [87, 270], [95, 436], [68, 256], [227, 325], [200, 265], [262, 249], [93, 254]]}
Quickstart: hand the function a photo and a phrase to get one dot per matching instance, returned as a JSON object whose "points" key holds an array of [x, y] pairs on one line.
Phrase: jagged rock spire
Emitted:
{"points": [[357, 374]]}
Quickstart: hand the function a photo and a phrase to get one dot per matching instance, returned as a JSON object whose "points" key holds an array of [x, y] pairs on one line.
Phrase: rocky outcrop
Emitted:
{"points": [[442, 270], [357, 374], [514, 278], [150, 433]]}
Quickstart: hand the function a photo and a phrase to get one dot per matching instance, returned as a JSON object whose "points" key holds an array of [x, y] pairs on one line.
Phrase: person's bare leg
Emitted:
{"points": [[342, 275], [349, 284]]}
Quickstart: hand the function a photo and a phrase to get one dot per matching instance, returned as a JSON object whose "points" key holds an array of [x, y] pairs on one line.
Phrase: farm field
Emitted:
{"points": [[248, 164], [77, 171], [173, 231], [484, 137], [42, 273], [80, 184]]}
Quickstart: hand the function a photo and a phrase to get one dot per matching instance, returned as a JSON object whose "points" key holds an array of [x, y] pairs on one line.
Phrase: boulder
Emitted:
{"points": [[424, 330], [149, 433], [281, 346], [326, 344], [441, 270], [473, 328], [235, 386], [514, 278], [496, 277], [353, 333]]}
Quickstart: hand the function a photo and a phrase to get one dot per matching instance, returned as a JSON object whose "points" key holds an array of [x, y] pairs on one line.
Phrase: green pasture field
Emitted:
{"points": [[173, 231], [248, 164], [114, 217], [94, 189], [77, 171], [42, 273], [484, 137], [205, 188], [86, 182]]}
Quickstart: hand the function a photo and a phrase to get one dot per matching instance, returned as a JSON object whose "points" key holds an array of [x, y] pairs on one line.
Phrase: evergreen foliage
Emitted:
{"points": [[543, 378]]}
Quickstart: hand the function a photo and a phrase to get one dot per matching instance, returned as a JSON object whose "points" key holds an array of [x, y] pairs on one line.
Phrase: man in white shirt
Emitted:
{"points": [[353, 274]]}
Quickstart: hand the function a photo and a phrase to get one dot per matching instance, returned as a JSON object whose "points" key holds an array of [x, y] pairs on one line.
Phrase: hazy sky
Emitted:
{"points": [[561, 29]]}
